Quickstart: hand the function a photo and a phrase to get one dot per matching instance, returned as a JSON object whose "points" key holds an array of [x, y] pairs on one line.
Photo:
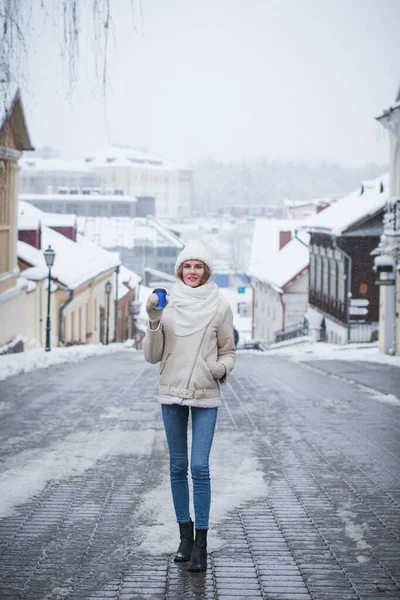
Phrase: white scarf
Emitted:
{"points": [[194, 307]]}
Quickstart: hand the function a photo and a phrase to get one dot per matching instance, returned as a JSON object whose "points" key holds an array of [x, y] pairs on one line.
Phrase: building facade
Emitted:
{"points": [[139, 173], [90, 204], [387, 261], [343, 295], [15, 293], [50, 175]]}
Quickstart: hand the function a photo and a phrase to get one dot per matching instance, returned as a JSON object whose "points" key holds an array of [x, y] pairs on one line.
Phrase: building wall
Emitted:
{"points": [[171, 188], [125, 319], [8, 210], [84, 208], [267, 315], [295, 300], [36, 181], [84, 319]]}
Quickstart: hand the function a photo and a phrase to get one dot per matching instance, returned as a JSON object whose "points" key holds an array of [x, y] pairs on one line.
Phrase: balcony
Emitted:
{"points": [[391, 219]]}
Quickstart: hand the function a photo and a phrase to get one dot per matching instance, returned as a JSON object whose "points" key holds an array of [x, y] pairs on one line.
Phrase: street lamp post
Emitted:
{"points": [[49, 256], [108, 288]]}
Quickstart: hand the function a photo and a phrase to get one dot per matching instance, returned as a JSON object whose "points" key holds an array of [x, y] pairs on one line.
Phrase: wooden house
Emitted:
{"points": [[343, 295]]}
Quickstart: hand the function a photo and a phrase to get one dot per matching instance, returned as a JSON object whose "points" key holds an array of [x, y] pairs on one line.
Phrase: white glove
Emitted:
{"points": [[217, 369], [153, 312]]}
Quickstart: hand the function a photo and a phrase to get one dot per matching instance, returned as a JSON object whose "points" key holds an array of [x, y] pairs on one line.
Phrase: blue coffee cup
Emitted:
{"points": [[162, 297]]}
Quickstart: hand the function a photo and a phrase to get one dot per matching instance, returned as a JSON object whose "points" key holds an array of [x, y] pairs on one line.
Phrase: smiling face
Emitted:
{"points": [[193, 273]]}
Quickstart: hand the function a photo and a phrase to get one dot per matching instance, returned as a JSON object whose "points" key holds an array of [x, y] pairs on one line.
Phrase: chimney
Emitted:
{"points": [[33, 237], [284, 238], [68, 232]]}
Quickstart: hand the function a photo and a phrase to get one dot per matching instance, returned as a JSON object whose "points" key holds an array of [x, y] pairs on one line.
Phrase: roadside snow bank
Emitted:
{"points": [[27, 473], [30, 360], [324, 351]]}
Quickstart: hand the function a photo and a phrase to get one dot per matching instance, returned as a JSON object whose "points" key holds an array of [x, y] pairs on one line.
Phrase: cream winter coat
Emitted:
{"points": [[184, 375]]}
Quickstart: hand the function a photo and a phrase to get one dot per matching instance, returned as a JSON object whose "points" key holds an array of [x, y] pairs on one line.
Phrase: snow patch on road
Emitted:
{"points": [[31, 360], [353, 530], [26, 474], [236, 478], [385, 398]]}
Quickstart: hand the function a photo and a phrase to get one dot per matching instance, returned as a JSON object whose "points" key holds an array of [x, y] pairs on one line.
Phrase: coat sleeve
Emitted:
{"points": [[225, 340], [154, 344]]}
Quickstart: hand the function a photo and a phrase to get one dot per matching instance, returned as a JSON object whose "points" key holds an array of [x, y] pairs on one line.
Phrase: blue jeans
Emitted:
{"points": [[175, 419]]}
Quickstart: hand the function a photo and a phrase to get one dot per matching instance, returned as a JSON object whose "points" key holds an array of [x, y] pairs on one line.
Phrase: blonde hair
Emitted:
{"points": [[205, 278]]}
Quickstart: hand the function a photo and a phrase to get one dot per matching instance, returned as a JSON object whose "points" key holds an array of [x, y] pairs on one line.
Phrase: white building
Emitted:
{"points": [[139, 173], [142, 243], [387, 263], [279, 275], [49, 175]]}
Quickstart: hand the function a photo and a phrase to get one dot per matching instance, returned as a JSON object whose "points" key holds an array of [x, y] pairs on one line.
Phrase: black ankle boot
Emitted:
{"points": [[185, 547], [198, 560]]}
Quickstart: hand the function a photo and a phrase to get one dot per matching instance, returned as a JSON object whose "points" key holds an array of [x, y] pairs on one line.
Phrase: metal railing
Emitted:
{"points": [[294, 331]]}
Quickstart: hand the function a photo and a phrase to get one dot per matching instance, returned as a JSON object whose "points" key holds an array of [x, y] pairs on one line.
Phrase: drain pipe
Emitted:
{"points": [[61, 332]]}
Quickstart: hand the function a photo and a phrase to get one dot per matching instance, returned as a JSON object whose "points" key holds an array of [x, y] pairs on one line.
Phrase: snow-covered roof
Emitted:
{"points": [[166, 232], [299, 203], [285, 265], [75, 262], [113, 232], [12, 111], [117, 156], [30, 217], [8, 93], [28, 222], [77, 198], [266, 238], [36, 163], [349, 210]]}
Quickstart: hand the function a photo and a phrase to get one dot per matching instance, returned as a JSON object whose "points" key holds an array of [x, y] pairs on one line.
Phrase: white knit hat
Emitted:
{"points": [[195, 250]]}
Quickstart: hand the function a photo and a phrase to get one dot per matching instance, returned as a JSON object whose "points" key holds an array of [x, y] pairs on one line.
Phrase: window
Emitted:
{"points": [[325, 275], [4, 192], [341, 282], [312, 272], [72, 325], [363, 289], [318, 276], [333, 279]]}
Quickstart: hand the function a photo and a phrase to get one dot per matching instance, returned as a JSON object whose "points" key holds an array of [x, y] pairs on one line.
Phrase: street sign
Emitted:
{"points": [[384, 282], [359, 302], [358, 310], [241, 290]]}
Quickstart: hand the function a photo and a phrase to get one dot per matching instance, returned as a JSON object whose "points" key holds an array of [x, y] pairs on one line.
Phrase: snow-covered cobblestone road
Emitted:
{"points": [[305, 473]]}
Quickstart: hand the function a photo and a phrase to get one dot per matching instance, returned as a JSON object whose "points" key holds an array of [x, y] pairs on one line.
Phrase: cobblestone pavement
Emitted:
{"points": [[328, 529]]}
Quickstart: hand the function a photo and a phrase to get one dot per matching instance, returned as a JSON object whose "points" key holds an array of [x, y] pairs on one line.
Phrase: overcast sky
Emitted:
{"points": [[231, 79]]}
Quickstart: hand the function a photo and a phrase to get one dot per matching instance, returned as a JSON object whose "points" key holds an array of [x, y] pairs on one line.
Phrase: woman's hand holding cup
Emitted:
{"points": [[153, 308]]}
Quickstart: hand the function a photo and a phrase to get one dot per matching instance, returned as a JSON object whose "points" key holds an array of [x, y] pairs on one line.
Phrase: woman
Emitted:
{"points": [[193, 340]]}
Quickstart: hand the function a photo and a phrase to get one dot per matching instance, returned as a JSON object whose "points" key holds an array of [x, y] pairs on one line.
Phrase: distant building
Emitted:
{"points": [[90, 204], [139, 173], [49, 175], [387, 261], [116, 170], [343, 295], [293, 209], [279, 276], [80, 272], [142, 243]]}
